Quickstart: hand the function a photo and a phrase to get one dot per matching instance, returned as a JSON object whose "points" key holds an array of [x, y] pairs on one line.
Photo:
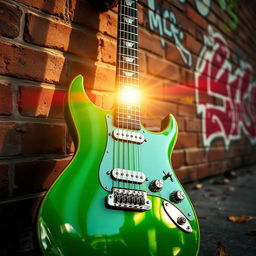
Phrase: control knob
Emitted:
{"points": [[177, 196], [156, 185]]}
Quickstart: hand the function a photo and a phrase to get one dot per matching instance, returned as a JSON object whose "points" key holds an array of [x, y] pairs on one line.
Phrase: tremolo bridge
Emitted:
{"points": [[128, 199]]}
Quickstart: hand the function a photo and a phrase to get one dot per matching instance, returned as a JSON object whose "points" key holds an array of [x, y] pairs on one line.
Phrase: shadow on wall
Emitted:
{"points": [[79, 42]]}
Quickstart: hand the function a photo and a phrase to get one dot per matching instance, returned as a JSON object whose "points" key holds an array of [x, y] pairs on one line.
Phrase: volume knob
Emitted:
{"points": [[156, 185], [177, 196]]}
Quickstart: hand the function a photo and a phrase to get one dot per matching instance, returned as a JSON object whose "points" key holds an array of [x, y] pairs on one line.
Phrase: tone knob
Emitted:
{"points": [[181, 220], [156, 185], [177, 196]]}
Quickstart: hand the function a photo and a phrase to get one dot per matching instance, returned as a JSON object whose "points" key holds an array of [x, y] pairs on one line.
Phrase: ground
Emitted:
{"points": [[219, 198]]}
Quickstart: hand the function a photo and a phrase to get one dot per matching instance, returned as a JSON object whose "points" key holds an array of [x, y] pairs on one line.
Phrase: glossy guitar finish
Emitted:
{"points": [[73, 219]]}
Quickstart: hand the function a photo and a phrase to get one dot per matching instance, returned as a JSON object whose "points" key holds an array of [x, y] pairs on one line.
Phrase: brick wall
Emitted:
{"points": [[196, 61]]}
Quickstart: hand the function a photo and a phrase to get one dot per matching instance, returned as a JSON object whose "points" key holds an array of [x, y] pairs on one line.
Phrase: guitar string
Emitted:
{"points": [[128, 105], [133, 106], [117, 98], [123, 122]]}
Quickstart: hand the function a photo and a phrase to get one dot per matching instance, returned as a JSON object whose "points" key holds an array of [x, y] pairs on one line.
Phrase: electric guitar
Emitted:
{"points": [[119, 195]]}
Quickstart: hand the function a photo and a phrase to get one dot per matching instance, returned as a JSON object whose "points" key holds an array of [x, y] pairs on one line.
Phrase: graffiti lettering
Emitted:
{"points": [[165, 23], [234, 89], [228, 6]]}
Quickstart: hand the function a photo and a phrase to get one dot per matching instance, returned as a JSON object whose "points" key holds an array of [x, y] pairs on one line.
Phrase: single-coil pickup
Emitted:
{"points": [[128, 199], [128, 175], [129, 136]]}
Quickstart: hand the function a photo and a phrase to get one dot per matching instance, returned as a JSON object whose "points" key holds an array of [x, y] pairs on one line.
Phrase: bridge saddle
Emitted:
{"points": [[128, 199]]}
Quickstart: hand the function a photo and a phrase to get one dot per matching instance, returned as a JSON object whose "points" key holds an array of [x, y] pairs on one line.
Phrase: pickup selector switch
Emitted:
{"points": [[156, 185], [177, 196]]}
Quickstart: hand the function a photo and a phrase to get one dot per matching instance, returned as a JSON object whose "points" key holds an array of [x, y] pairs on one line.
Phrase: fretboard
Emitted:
{"points": [[127, 115]]}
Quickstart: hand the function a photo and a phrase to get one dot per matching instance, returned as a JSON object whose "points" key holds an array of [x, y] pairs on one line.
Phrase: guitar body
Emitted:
{"points": [[74, 219]]}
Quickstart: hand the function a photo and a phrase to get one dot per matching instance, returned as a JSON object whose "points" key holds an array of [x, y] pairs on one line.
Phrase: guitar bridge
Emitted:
{"points": [[128, 199]]}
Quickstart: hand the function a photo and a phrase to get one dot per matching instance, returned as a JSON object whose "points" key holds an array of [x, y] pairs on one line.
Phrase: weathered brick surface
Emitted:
{"points": [[5, 99], [10, 16], [42, 174], [60, 36], [41, 102], [163, 69], [38, 138], [52, 7], [24, 62]]}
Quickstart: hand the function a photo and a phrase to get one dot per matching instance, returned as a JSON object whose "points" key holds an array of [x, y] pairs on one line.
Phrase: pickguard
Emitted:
{"points": [[153, 162]]}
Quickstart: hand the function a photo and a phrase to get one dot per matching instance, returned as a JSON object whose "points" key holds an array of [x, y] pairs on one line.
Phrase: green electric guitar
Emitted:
{"points": [[119, 195]]}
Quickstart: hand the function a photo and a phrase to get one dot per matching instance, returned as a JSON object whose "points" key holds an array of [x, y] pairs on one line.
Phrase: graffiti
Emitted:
{"points": [[228, 6], [202, 6], [233, 89], [165, 22]]}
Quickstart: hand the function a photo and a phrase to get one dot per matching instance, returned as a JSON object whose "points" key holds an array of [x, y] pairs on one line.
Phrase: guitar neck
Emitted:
{"points": [[127, 72]]}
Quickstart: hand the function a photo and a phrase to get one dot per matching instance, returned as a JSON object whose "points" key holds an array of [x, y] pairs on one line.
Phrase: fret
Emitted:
{"points": [[125, 55], [135, 49], [125, 124], [128, 25], [131, 78], [129, 32], [132, 65], [125, 7]]}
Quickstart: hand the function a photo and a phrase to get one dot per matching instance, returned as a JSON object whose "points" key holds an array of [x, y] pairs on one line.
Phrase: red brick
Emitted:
{"points": [[108, 23], [142, 61], [204, 170], [217, 154], [186, 110], [192, 44], [10, 139], [186, 174], [150, 42], [161, 68], [10, 16], [108, 51], [5, 99], [178, 158], [95, 76], [38, 138], [53, 34], [36, 176], [193, 125], [140, 14], [84, 13], [104, 78], [4, 183], [151, 87], [173, 54], [178, 92], [49, 6], [158, 109], [31, 138], [41, 102], [196, 17], [181, 123], [107, 101], [186, 140], [24, 62], [195, 156], [151, 124], [70, 146]]}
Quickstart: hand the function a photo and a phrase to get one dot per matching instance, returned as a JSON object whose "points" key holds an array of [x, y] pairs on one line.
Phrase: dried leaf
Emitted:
{"points": [[240, 219], [251, 233], [221, 250], [198, 186]]}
